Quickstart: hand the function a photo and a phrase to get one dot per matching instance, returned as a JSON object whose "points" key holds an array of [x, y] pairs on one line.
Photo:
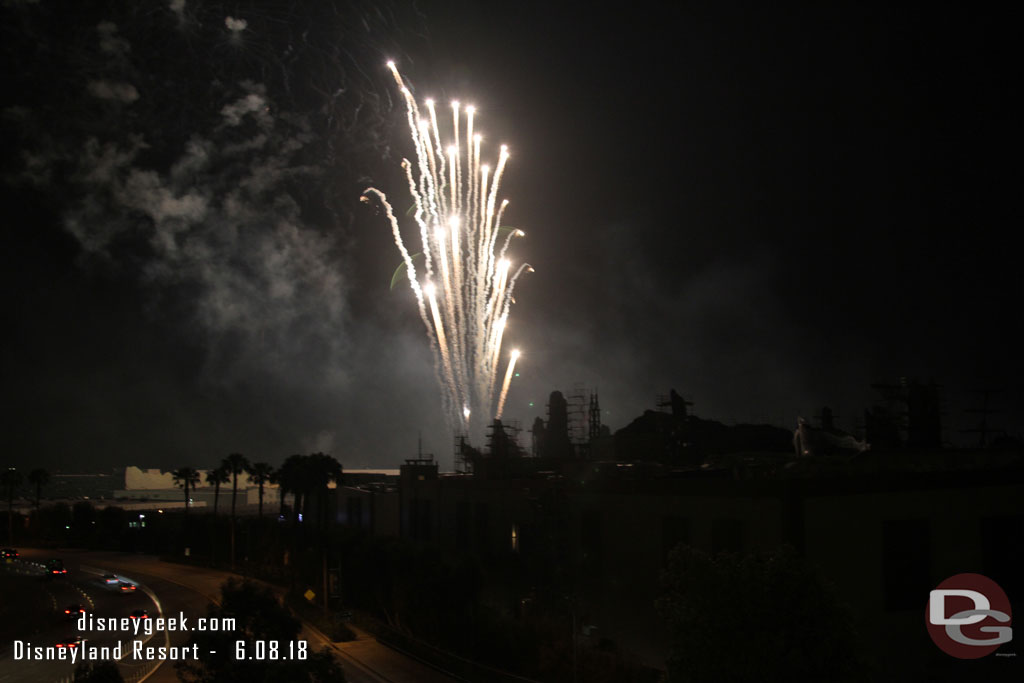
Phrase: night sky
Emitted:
{"points": [[767, 209]]}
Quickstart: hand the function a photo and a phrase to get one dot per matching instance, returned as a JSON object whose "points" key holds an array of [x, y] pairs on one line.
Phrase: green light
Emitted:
{"points": [[517, 374], [531, 404]]}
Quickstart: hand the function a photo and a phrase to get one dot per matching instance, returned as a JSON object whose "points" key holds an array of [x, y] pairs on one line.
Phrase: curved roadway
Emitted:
{"points": [[173, 588]]}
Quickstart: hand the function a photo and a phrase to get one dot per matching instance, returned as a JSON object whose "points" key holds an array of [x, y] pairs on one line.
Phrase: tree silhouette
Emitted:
{"points": [[235, 464], [260, 473], [259, 616], [186, 478], [217, 476], [11, 481], [275, 478], [290, 479], [38, 478], [307, 477], [321, 471]]}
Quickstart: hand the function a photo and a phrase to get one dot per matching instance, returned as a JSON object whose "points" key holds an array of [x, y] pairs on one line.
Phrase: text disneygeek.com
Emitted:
{"points": [[79, 649]]}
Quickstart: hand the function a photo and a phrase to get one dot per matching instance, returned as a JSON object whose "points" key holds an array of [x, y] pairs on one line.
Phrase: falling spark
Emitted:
{"points": [[508, 380], [465, 283]]}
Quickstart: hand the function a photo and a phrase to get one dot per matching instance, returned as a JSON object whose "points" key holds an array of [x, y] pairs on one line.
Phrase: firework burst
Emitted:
{"points": [[462, 280]]}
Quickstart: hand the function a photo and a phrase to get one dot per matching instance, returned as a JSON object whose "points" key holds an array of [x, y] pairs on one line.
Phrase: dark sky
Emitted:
{"points": [[766, 209]]}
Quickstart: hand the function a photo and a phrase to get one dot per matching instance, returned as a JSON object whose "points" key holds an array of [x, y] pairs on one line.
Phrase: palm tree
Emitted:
{"points": [[11, 480], [217, 476], [39, 478], [275, 478], [235, 464], [322, 470], [187, 478], [290, 479], [260, 473]]}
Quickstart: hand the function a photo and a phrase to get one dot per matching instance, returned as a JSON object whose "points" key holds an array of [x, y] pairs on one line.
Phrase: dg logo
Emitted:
{"points": [[968, 616]]}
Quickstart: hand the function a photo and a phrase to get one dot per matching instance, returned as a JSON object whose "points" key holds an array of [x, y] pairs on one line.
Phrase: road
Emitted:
{"points": [[96, 596], [169, 588]]}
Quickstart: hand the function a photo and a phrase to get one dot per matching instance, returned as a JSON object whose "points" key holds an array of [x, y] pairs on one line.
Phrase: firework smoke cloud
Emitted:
{"points": [[212, 185]]}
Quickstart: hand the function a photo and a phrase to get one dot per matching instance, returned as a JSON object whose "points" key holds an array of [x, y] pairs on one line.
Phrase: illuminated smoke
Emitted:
{"points": [[461, 279], [235, 25]]}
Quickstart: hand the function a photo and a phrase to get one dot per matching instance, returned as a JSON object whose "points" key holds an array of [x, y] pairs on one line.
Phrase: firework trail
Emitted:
{"points": [[464, 284], [508, 380]]}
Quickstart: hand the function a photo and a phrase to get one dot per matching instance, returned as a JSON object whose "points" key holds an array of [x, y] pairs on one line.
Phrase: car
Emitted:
{"points": [[110, 579], [55, 567], [70, 641], [127, 586], [9, 553], [139, 614], [74, 611]]}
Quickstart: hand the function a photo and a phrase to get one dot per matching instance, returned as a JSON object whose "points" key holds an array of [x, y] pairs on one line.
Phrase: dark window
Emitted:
{"points": [[674, 530], [726, 536], [906, 563]]}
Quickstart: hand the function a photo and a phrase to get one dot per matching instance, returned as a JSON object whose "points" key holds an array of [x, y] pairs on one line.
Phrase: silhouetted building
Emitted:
{"points": [[499, 443], [910, 416], [556, 442], [877, 527], [417, 513], [882, 429], [594, 418], [681, 439], [537, 433]]}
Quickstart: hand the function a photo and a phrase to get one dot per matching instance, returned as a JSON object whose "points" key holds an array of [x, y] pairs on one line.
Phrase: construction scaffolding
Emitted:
{"points": [[463, 463], [577, 413], [503, 439], [594, 417]]}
